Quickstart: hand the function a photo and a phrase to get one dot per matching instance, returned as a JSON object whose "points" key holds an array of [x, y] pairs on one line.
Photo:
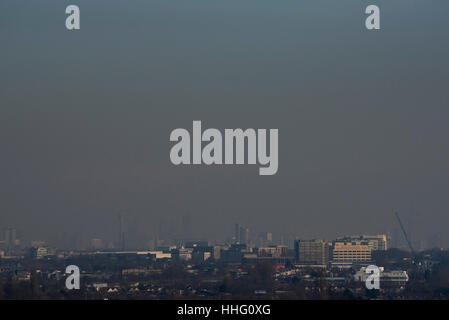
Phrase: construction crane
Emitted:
{"points": [[406, 237]]}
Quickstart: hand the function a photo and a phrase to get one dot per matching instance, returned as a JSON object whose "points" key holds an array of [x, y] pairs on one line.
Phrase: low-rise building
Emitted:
{"points": [[395, 277]]}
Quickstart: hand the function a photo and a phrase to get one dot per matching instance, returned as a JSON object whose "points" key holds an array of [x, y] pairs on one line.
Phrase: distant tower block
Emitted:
{"points": [[121, 238], [237, 233]]}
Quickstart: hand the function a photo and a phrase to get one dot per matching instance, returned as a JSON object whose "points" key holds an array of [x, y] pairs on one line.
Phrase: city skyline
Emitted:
{"points": [[120, 122], [251, 237]]}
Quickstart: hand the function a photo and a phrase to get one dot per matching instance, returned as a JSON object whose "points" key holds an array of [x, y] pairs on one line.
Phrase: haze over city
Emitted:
{"points": [[86, 118]]}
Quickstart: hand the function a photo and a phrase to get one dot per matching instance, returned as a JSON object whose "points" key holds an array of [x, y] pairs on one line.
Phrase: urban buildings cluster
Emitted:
{"points": [[244, 267]]}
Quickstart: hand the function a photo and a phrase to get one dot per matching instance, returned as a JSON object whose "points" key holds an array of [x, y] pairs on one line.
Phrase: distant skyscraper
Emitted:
{"points": [[11, 237], [265, 239], [242, 235], [237, 233], [121, 240]]}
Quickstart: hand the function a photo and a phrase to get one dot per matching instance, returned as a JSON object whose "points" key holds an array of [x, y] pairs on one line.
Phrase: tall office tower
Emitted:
{"points": [[10, 237], [237, 233], [244, 235], [13, 237], [121, 237], [312, 252], [265, 239]]}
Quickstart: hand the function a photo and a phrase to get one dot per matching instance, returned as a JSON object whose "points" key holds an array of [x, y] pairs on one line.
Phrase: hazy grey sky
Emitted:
{"points": [[85, 116]]}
